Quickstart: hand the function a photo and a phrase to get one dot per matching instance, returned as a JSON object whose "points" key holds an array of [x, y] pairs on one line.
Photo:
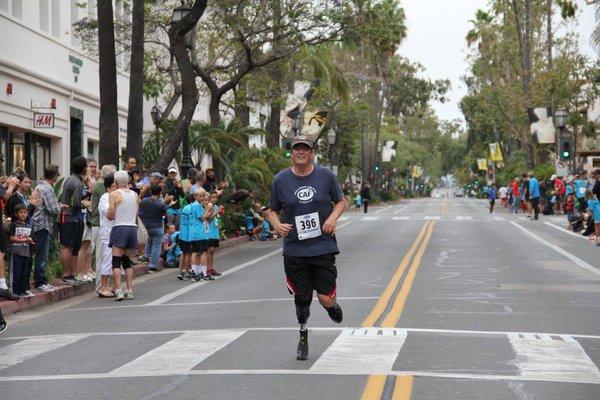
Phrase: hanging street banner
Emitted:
{"points": [[417, 171], [495, 152], [481, 164]]}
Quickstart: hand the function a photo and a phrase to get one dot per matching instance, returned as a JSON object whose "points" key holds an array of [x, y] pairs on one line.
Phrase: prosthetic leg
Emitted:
{"points": [[302, 313]]}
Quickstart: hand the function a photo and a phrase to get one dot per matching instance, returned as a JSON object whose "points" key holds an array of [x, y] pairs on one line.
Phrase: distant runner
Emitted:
{"points": [[312, 202]]}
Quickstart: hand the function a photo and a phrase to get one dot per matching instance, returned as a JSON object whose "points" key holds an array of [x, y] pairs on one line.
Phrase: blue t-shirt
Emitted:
{"points": [[580, 188], [594, 206], [213, 228], [534, 188], [174, 251], [491, 193], [197, 226], [302, 195], [184, 223]]}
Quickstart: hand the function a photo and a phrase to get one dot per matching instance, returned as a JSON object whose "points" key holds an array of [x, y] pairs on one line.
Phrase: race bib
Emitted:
{"points": [[308, 226], [582, 190]]}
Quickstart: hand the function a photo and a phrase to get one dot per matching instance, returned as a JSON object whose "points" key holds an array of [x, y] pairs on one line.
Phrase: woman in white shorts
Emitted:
{"points": [[104, 266]]}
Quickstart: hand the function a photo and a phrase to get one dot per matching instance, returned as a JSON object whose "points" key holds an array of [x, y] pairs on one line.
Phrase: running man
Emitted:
{"points": [[312, 202]]}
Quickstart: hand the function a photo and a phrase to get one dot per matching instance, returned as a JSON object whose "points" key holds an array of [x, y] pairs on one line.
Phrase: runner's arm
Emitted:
{"points": [[279, 227], [330, 223]]}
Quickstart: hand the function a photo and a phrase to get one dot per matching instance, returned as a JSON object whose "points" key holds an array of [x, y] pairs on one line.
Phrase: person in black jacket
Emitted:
{"points": [[19, 197], [365, 194]]}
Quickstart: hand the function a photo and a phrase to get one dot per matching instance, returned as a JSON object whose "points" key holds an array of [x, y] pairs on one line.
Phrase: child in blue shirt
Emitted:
{"points": [[214, 233], [594, 205], [199, 234], [185, 241], [357, 202], [171, 250]]}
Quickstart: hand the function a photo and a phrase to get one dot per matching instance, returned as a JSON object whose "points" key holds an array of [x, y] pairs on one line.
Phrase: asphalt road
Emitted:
{"points": [[441, 301]]}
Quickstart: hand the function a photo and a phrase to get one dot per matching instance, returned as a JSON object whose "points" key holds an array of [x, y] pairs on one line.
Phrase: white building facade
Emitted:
{"points": [[49, 89]]}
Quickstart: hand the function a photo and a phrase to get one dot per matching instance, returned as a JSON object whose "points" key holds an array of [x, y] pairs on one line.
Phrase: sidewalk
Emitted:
{"points": [[68, 291]]}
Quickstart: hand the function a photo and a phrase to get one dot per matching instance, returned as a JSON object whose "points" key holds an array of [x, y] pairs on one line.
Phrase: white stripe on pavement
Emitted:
{"points": [[383, 209], [33, 347], [362, 351], [205, 303], [560, 250], [433, 217], [563, 230], [177, 293], [369, 218], [401, 209], [180, 354], [401, 218], [295, 328], [546, 358]]}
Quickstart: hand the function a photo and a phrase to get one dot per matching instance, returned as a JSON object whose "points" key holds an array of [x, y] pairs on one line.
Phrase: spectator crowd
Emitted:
{"points": [[109, 220], [577, 197]]}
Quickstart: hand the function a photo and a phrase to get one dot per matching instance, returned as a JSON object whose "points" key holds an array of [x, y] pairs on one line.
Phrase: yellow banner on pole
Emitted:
{"points": [[495, 152], [417, 171], [482, 164]]}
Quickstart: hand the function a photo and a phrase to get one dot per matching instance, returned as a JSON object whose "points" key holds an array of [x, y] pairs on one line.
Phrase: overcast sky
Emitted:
{"points": [[436, 39]]}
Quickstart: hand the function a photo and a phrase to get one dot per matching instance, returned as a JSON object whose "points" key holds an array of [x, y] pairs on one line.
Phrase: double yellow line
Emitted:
{"points": [[403, 384], [444, 206]]}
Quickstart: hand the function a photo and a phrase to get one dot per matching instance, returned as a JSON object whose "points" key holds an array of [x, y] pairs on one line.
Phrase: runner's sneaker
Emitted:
{"points": [[119, 296], [28, 294], [129, 295], [335, 313], [207, 277], [198, 278], [2, 325], [180, 276], [151, 271], [212, 272], [302, 352]]}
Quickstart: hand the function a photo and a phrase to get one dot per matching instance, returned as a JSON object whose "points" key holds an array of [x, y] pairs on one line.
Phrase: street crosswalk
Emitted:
{"points": [[346, 351]]}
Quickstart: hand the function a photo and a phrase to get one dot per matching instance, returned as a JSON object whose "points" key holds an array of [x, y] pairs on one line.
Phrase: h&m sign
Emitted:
{"points": [[43, 120]]}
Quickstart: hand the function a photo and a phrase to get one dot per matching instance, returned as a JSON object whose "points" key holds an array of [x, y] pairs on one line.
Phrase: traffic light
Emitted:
{"points": [[287, 147], [565, 148]]}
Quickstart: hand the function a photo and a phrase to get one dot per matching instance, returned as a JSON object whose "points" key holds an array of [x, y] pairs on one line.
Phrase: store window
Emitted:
{"points": [[17, 9], [4, 5], [3, 149], [44, 16], [40, 153], [17, 152]]}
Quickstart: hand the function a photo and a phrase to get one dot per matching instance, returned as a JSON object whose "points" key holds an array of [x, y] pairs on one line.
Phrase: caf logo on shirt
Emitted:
{"points": [[305, 194]]}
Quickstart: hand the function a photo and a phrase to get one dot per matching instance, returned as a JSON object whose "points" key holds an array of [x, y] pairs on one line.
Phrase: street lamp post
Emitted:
{"points": [[156, 114], [331, 141], [178, 14]]}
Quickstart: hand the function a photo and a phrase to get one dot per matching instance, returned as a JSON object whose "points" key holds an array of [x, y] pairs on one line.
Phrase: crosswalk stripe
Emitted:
{"points": [[401, 218], [401, 209], [383, 209], [29, 348], [369, 218], [363, 351], [460, 217], [437, 217], [498, 218], [541, 357], [340, 219], [180, 354]]}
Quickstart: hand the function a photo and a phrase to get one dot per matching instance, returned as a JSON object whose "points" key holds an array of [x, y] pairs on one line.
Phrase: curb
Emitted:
{"points": [[59, 293], [67, 291]]}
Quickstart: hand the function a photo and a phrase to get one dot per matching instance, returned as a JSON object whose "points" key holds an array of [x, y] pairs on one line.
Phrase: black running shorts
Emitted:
{"points": [[185, 246], [305, 274], [213, 243], [199, 246]]}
